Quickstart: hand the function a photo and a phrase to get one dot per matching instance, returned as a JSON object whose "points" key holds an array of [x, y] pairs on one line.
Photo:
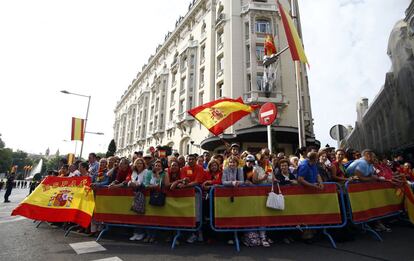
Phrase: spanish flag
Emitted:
{"points": [[218, 115], [409, 202], [269, 45], [295, 44], [77, 129], [59, 199]]}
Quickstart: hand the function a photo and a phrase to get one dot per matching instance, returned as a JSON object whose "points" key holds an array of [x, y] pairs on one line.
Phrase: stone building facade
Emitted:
{"points": [[215, 51], [387, 124]]}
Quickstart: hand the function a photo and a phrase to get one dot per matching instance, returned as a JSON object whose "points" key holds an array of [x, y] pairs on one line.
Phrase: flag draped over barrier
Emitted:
{"points": [[409, 202], [59, 199], [77, 129], [114, 206], [295, 44], [371, 200], [218, 115], [303, 206]]}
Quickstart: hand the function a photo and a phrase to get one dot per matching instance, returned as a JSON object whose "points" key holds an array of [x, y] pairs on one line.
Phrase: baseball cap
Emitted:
{"points": [[250, 157]]}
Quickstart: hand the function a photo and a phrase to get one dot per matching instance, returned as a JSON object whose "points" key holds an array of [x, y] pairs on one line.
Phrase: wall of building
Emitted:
{"points": [[388, 123], [214, 52]]}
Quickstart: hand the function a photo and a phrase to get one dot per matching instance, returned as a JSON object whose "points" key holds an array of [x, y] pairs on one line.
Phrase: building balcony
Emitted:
{"points": [[260, 96], [184, 116], [220, 19], [170, 124], [159, 128], [259, 7]]}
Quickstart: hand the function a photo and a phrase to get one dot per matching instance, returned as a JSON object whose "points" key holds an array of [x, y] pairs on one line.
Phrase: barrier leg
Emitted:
{"points": [[325, 232], [236, 241], [177, 235], [102, 232], [70, 229], [40, 222], [366, 227]]}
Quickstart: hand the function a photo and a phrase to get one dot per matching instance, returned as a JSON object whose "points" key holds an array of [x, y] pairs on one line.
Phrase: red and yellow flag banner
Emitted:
{"points": [[295, 44], [218, 115], [269, 45], [77, 129], [59, 199], [114, 206], [409, 202], [371, 200], [303, 206]]}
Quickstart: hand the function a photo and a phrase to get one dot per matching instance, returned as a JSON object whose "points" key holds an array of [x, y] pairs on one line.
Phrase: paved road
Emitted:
{"points": [[21, 240]]}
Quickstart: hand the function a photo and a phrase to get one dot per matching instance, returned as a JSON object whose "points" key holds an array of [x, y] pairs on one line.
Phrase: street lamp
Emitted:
{"points": [[86, 118]]}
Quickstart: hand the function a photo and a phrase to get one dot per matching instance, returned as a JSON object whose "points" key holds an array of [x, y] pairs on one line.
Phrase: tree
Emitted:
{"points": [[111, 149], [2, 144], [6, 160], [53, 163]]}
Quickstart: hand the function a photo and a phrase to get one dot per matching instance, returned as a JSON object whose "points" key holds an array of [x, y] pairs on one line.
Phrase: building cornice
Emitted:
{"points": [[161, 48]]}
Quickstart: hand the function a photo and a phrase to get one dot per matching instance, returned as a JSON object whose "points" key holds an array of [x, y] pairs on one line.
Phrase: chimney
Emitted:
{"points": [[362, 107]]}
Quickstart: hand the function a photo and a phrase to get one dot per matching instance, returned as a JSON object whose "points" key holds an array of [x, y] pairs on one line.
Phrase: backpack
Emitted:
{"points": [[138, 203]]}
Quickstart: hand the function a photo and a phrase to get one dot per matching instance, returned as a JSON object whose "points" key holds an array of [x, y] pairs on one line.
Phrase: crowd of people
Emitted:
{"points": [[310, 168]]}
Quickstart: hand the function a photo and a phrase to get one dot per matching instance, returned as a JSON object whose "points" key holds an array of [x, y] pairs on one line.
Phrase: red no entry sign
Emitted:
{"points": [[267, 113]]}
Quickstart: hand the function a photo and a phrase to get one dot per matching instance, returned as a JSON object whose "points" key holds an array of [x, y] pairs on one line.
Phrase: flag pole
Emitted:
{"points": [[301, 131]]}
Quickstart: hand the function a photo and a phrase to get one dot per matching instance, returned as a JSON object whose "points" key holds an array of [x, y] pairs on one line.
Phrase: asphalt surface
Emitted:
{"points": [[21, 240]]}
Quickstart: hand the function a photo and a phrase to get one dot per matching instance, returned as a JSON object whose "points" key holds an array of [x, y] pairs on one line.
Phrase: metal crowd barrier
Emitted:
{"points": [[112, 209], [371, 201], [244, 209]]}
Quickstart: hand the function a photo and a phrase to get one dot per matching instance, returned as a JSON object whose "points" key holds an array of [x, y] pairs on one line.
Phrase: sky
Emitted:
{"points": [[96, 48]]}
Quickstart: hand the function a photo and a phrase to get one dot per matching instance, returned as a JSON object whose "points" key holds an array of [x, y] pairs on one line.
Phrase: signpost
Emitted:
{"points": [[267, 115], [338, 132]]}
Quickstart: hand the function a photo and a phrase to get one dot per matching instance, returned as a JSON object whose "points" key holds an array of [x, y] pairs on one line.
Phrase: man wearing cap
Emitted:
{"points": [[234, 151], [363, 168], [149, 160]]}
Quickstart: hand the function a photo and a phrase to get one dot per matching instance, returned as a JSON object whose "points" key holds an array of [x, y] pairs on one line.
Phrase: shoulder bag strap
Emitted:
{"points": [[278, 188]]}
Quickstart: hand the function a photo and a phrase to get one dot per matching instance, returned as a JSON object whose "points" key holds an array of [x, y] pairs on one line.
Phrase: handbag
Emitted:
{"points": [[138, 203], [275, 201], [157, 197]]}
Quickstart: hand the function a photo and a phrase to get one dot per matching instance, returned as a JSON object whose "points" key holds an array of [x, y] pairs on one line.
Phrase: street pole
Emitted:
{"points": [[269, 137], [84, 128], [86, 118], [301, 130]]}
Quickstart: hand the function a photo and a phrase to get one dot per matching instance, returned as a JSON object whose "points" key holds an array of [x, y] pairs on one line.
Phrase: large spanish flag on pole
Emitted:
{"points": [[59, 199], [295, 44], [218, 115], [77, 129]]}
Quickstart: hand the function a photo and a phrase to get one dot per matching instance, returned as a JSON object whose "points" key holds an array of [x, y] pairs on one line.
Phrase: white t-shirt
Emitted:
{"points": [[261, 174], [138, 178], [76, 173]]}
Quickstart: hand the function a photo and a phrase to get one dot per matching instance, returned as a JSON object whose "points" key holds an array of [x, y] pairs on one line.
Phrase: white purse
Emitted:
{"points": [[275, 201]]}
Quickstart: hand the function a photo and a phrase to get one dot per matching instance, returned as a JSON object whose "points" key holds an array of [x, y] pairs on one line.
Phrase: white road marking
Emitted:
{"points": [[87, 247], [115, 258], [11, 219]]}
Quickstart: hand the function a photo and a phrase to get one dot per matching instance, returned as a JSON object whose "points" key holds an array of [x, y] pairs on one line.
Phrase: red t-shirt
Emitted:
{"points": [[195, 173], [407, 172], [216, 180], [173, 177], [384, 171], [122, 175], [340, 170]]}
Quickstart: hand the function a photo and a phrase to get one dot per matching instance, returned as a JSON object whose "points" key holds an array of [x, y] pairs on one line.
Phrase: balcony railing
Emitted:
{"points": [[260, 96], [171, 124], [258, 6]]}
